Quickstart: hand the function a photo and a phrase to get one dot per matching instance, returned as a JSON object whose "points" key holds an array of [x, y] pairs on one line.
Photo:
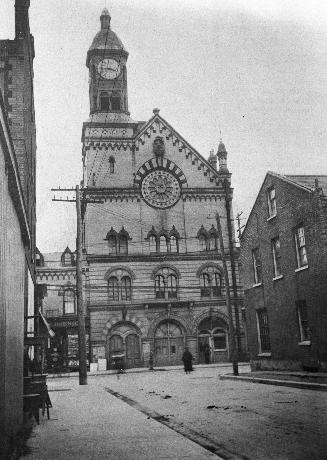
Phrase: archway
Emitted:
{"points": [[169, 340], [213, 340], [124, 341]]}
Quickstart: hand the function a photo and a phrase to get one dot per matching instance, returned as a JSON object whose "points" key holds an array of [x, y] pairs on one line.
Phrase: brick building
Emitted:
{"points": [[154, 278], [56, 273], [284, 272], [17, 218]]}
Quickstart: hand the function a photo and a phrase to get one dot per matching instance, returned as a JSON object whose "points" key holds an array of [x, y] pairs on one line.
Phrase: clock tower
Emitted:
{"points": [[106, 61]]}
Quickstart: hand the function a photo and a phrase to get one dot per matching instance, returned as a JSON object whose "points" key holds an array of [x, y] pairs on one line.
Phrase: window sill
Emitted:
{"points": [[305, 267], [271, 217], [305, 343], [264, 355], [220, 349], [279, 277], [257, 285]]}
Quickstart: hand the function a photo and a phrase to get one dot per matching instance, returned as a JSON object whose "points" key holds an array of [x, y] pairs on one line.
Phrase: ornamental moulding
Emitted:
{"points": [[109, 145]]}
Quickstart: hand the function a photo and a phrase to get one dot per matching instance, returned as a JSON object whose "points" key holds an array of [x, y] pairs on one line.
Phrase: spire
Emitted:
{"points": [[222, 157], [213, 159], [105, 19]]}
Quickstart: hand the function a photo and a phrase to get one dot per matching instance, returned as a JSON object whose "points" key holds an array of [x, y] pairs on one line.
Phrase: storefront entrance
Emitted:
{"points": [[213, 341], [124, 345], [169, 343]]}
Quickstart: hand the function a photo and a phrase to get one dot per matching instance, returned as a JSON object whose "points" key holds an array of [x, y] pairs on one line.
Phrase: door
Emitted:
{"points": [[116, 347], [168, 344], [133, 353], [203, 347]]}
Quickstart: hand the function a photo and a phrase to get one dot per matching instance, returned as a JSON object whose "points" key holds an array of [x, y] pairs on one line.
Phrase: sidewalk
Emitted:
{"points": [[89, 423], [298, 379]]}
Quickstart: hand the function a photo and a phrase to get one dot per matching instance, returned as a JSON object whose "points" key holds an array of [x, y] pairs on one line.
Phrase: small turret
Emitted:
{"points": [[213, 159], [105, 19], [222, 157]]}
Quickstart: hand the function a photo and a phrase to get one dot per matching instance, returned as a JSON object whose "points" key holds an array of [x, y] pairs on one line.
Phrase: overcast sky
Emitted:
{"points": [[256, 70]]}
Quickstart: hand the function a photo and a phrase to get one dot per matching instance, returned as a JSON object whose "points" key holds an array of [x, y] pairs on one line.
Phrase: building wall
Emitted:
{"points": [[12, 293], [294, 206]]}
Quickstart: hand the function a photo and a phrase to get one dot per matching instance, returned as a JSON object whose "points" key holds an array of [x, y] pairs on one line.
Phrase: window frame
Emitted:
{"points": [[272, 204], [257, 267], [104, 96], [263, 332], [299, 246], [303, 322], [276, 255], [72, 301]]}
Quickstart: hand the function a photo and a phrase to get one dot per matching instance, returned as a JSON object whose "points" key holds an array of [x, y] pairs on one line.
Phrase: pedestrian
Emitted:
{"points": [[207, 353], [151, 361], [187, 360]]}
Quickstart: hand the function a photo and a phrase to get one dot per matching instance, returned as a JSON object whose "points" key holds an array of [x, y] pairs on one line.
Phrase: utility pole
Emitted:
{"points": [[228, 300], [80, 303]]}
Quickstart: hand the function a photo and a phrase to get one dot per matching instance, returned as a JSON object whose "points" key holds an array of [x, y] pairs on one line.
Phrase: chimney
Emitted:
{"points": [[22, 28]]}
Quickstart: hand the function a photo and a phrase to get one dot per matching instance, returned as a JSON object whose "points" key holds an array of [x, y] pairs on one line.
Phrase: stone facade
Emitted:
{"points": [[17, 217], [154, 272], [286, 310]]}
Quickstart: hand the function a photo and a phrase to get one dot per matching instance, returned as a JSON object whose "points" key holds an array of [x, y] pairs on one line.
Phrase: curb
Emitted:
{"points": [[139, 370], [282, 383]]}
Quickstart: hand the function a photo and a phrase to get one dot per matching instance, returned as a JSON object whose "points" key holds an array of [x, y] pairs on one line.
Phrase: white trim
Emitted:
{"points": [[256, 285], [279, 277], [305, 343], [264, 355], [301, 268], [271, 217]]}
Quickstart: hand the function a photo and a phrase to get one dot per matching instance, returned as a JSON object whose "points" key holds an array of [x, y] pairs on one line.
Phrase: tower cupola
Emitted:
{"points": [[106, 60]]}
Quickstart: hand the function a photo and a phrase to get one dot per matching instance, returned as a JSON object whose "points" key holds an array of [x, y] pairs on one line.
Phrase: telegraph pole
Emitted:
{"points": [[80, 303], [228, 300]]}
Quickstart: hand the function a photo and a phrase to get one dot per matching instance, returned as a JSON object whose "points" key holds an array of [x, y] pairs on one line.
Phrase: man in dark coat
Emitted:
{"points": [[187, 360]]}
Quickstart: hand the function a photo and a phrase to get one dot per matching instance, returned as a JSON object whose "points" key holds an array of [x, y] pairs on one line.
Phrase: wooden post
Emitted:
{"points": [[228, 301], [80, 303]]}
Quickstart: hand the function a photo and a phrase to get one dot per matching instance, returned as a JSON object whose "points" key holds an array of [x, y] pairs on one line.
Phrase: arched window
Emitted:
{"points": [[112, 244], [205, 285], [111, 165], [160, 287], [173, 244], [115, 103], [163, 244], [172, 287], [212, 242], [203, 243], [113, 288], [153, 243], [69, 302], [126, 288], [216, 285], [67, 257], [104, 101], [123, 244]]}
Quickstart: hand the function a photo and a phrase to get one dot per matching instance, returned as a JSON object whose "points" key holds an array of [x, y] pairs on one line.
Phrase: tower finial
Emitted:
{"points": [[105, 19]]}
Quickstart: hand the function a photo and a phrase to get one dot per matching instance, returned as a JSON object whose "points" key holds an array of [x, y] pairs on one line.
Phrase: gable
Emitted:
{"points": [[197, 171]]}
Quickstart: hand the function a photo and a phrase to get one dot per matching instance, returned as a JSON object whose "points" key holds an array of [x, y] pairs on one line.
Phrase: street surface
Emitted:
{"points": [[112, 417]]}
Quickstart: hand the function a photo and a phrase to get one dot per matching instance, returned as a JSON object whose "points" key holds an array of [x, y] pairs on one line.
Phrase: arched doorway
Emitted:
{"points": [[169, 342], [213, 341], [124, 341]]}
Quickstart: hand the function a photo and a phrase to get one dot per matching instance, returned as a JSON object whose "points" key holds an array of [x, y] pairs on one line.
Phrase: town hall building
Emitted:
{"points": [[153, 268]]}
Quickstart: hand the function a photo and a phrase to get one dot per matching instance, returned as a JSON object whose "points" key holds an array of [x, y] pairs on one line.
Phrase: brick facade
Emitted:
{"points": [[300, 204]]}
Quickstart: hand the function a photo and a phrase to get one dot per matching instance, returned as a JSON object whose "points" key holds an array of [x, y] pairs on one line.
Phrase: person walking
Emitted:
{"points": [[187, 360]]}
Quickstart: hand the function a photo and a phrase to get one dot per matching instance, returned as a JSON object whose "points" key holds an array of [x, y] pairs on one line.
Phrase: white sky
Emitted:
{"points": [[255, 69]]}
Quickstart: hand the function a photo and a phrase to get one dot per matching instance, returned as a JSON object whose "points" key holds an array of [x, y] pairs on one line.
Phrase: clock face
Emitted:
{"points": [[160, 189], [109, 69]]}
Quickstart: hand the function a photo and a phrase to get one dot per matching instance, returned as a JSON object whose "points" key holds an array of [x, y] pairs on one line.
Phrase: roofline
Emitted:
{"points": [[200, 157], [283, 178]]}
